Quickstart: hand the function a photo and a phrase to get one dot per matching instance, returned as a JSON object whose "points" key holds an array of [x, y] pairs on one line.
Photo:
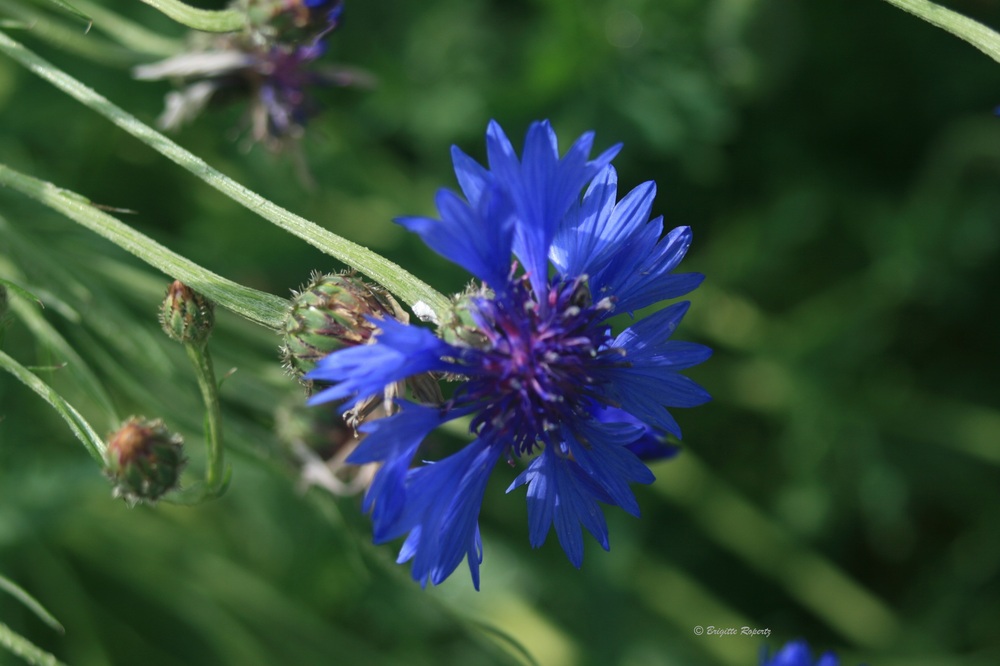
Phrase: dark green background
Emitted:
{"points": [[838, 163]]}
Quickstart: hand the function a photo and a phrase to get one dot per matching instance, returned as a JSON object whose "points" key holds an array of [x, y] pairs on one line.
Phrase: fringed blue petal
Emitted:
{"points": [[399, 351], [563, 496], [393, 440], [442, 513], [541, 187], [477, 238], [640, 272]]}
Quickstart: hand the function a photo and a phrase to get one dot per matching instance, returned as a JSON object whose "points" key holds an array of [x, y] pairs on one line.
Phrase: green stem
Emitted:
{"points": [[973, 32], [25, 649], [226, 20], [214, 470], [257, 306], [409, 288], [32, 604], [92, 442]]}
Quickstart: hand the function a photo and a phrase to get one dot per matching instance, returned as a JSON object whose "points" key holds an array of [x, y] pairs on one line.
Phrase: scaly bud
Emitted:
{"points": [[330, 314], [186, 316], [144, 460]]}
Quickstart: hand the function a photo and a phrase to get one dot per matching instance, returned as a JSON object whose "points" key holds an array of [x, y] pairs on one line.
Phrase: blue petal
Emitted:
{"points": [[796, 653], [650, 445], [650, 448], [828, 659], [640, 272], [646, 343], [477, 239], [442, 513], [473, 178], [600, 231], [542, 188], [647, 392], [394, 440], [600, 450], [562, 495], [399, 351], [645, 276]]}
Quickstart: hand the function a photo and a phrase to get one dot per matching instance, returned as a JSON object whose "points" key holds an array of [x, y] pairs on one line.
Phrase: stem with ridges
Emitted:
{"points": [[202, 361], [408, 287], [257, 306], [973, 32], [206, 20]]}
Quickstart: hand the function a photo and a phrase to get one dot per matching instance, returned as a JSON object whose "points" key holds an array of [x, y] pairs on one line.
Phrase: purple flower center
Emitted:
{"points": [[536, 371]]}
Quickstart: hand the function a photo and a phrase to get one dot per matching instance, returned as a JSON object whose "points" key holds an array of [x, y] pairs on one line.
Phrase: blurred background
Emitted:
{"points": [[838, 163]]}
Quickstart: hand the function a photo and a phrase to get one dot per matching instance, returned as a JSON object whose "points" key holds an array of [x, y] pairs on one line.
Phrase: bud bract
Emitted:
{"points": [[143, 460], [186, 316], [332, 313]]}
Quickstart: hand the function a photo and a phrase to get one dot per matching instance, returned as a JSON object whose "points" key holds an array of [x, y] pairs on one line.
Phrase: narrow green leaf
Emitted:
{"points": [[32, 604], [48, 336], [265, 309], [393, 277], [68, 36], [91, 441], [22, 292], [128, 33], [73, 11], [25, 649], [983, 38]]}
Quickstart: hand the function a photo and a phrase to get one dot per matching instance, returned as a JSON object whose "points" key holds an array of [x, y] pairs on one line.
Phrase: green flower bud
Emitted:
{"points": [[143, 460], [460, 327], [330, 314], [186, 316]]}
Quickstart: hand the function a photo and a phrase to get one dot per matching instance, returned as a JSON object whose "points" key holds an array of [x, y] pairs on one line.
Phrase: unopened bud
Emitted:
{"points": [[460, 326], [144, 460], [332, 313], [186, 316]]}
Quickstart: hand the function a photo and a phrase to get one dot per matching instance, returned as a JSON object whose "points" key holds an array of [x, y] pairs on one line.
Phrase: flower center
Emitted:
{"points": [[536, 371]]}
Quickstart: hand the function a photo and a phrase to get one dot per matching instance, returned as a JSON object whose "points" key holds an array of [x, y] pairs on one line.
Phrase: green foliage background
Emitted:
{"points": [[838, 163]]}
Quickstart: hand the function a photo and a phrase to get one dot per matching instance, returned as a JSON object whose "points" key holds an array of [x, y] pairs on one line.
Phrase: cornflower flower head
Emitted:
{"points": [[797, 653], [542, 376]]}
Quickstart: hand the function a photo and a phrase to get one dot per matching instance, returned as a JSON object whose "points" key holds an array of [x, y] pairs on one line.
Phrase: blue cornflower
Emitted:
{"points": [[796, 653], [543, 377]]}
